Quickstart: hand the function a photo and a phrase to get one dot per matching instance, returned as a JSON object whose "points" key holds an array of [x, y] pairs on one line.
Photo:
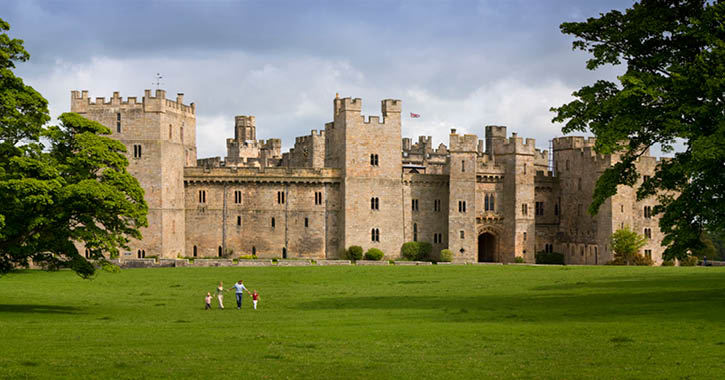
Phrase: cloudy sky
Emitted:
{"points": [[459, 64]]}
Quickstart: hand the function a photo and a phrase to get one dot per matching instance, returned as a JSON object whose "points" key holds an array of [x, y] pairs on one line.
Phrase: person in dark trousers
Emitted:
{"points": [[239, 291]]}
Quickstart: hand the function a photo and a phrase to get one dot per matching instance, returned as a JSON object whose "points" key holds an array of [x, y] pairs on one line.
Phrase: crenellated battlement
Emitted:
{"points": [[82, 103], [347, 105], [465, 143], [573, 142], [388, 106], [517, 145]]}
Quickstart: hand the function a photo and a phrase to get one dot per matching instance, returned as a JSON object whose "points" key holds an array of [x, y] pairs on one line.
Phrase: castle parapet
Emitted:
{"points": [[573, 142], [516, 145], [465, 143], [82, 103]]}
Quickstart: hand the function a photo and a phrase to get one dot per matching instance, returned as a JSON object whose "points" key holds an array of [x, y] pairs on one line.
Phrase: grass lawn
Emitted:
{"points": [[368, 322]]}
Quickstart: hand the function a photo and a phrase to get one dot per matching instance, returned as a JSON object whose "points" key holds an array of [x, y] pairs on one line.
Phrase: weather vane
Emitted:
{"points": [[158, 82]]}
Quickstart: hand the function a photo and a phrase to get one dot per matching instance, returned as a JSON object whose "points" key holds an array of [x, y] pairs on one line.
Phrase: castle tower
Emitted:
{"points": [[369, 153], [244, 128], [160, 139], [462, 238], [519, 239]]}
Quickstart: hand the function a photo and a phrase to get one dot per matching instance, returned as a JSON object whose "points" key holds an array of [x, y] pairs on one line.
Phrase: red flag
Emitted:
{"points": [[414, 115]]}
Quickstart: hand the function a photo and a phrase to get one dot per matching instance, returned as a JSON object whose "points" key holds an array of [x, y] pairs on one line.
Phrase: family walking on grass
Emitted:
{"points": [[239, 290]]}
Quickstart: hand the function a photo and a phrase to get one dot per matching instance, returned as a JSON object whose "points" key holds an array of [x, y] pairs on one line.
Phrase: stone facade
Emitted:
{"points": [[358, 182]]}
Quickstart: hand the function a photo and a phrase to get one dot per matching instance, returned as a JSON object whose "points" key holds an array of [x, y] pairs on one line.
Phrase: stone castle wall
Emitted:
{"points": [[485, 200]]}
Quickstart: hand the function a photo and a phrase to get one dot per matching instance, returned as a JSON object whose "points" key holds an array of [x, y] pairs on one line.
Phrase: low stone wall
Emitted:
{"points": [[293, 263], [334, 262], [372, 262], [413, 263], [256, 263]]}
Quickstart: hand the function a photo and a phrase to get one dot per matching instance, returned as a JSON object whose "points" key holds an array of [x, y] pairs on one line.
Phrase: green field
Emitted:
{"points": [[368, 322]]}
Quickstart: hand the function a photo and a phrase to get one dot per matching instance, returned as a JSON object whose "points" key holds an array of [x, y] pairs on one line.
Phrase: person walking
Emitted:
{"points": [[220, 294], [207, 301], [239, 291], [255, 298]]}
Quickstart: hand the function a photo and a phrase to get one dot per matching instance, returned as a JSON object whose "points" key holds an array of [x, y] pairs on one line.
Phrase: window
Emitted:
{"points": [[437, 205], [415, 231], [556, 209], [595, 250], [645, 178], [254, 250], [648, 233], [414, 204], [524, 209], [307, 222], [284, 252], [437, 238], [239, 220], [141, 253], [373, 160], [463, 234], [273, 223], [88, 253], [118, 122], [375, 235], [524, 168], [648, 212], [237, 196], [461, 206], [648, 253], [280, 197], [463, 166], [220, 251], [374, 203], [137, 151], [621, 208], [524, 236], [318, 197], [202, 196], [548, 248], [579, 184], [539, 208], [485, 202], [170, 132], [194, 251], [491, 203]]}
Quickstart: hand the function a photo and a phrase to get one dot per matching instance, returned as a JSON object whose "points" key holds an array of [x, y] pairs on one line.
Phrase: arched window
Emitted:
{"points": [[485, 203], [220, 251], [194, 251], [491, 203], [415, 231], [254, 250], [284, 252]]}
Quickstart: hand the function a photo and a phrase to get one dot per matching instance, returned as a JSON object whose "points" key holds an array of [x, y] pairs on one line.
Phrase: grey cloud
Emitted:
{"points": [[459, 63]]}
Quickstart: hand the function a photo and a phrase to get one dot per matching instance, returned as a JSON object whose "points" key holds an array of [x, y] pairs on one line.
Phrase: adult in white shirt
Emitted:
{"points": [[239, 290]]}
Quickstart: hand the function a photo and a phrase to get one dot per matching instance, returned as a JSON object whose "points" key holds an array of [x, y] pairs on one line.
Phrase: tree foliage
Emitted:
{"points": [[672, 90], [70, 187], [626, 245]]}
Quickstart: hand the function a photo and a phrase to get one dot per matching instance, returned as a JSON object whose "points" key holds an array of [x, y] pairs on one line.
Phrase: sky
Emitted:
{"points": [[459, 64]]}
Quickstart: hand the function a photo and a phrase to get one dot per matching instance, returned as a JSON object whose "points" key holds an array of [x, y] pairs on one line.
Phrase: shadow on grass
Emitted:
{"points": [[676, 299], [39, 309]]}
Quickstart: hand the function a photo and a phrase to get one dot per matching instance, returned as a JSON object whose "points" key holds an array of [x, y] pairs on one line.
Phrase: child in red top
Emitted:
{"points": [[255, 298]]}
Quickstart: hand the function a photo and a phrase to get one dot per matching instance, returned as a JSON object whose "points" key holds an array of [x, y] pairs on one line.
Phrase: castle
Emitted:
{"points": [[358, 182]]}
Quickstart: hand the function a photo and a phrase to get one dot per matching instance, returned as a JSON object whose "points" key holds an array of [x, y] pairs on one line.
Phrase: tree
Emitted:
{"points": [[673, 90], [71, 187], [626, 245]]}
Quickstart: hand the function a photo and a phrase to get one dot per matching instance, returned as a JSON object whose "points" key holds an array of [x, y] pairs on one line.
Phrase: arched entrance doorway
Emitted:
{"points": [[486, 248]]}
